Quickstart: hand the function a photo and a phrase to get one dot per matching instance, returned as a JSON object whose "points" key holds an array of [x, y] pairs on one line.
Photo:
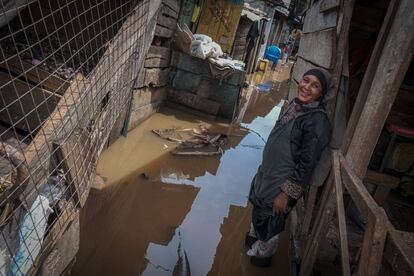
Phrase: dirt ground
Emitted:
{"points": [[161, 214]]}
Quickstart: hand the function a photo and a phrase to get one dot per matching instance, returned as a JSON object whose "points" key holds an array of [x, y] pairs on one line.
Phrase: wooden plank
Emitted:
{"points": [[340, 210], [320, 226], [399, 252], [156, 77], [373, 244], [392, 66], [35, 74], [28, 106], [158, 57], [344, 24], [326, 5], [193, 101], [300, 68], [359, 193], [369, 73], [38, 152], [163, 32], [319, 48], [158, 52], [172, 4], [316, 21], [168, 22], [167, 11], [377, 225], [384, 183], [310, 207], [77, 164]]}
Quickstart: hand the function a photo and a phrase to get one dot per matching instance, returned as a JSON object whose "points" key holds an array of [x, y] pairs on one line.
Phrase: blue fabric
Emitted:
{"points": [[273, 53]]}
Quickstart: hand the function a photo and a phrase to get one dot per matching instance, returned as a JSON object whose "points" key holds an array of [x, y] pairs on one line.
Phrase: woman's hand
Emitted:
{"points": [[280, 203]]}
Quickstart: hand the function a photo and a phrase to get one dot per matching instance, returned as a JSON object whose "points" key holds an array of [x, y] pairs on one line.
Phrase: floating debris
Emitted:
{"points": [[199, 142]]}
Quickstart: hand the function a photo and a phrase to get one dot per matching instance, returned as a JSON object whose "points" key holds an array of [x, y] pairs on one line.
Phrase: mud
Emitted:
{"points": [[174, 215]]}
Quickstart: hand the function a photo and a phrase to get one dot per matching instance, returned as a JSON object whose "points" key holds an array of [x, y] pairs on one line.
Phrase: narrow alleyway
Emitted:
{"points": [[172, 215]]}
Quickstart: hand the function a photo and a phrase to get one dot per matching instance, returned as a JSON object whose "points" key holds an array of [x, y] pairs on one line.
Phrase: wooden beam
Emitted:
{"points": [[35, 74], [340, 211], [392, 65], [342, 47], [369, 73], [27, 105], [158, 57], [384, 183], [373, 245], [399, 252], [158, 52], [172, 4], [163, 32], [166, 10], [167, 22], [377, 221], [320, 226], [324, 54], [308, 214], [74, 158]]}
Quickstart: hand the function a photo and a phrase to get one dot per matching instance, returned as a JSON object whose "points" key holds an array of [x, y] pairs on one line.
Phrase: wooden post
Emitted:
{"points": [[377, 225], [392, 66], [340, 211], [347, 9], [310, 205], [319, 229]]}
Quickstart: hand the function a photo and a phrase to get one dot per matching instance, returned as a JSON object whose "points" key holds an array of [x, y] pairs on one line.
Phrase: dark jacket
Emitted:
{"points": [[289, 158], [310, 135], [291, 153]]}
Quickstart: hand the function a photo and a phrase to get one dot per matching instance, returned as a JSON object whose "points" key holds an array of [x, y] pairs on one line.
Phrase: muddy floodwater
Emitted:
{"points": [[161, 214]]}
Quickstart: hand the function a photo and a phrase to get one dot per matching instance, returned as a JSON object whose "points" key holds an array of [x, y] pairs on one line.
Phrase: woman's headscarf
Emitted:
{"points": [[325, 79]]}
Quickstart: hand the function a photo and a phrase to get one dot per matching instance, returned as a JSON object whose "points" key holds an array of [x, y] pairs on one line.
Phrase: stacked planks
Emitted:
{"points": [[150, 89]]}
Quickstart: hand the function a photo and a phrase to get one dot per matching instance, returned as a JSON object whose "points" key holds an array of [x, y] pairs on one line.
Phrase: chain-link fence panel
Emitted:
{"points": [[66, 73]]}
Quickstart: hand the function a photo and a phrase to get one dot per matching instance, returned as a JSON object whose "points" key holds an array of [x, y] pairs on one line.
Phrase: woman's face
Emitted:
{"points": [[309, 89]]}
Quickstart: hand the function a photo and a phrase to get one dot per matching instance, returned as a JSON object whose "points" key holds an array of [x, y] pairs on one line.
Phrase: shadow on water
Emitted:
{"points": [[175, 215]]}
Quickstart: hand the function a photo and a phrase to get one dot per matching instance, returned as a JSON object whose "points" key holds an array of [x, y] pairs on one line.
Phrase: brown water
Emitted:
{"points": [[163, 214]]}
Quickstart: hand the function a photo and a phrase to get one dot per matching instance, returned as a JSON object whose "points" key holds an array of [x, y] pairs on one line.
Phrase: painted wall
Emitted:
{"points": [[219, 20]]}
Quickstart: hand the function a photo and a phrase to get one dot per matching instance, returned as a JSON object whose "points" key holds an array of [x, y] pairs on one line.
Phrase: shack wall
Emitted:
{"points": [[319, 40]]}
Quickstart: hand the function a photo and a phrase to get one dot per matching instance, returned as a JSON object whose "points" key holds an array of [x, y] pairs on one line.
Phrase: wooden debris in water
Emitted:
{"points": [[199, 143]]}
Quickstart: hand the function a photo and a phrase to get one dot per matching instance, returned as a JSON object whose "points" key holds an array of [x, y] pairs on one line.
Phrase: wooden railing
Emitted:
{"points": [[381, 244]]}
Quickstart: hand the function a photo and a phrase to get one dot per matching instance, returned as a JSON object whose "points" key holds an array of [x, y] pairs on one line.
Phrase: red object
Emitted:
{"points": [[407, 132]]}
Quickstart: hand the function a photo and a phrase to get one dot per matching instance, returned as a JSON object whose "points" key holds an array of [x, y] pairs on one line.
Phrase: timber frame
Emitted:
{"points": [[382, 244]]}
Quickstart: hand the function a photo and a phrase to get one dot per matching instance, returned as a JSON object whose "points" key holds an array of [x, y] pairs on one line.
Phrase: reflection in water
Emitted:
{"points": [[186, 213]]}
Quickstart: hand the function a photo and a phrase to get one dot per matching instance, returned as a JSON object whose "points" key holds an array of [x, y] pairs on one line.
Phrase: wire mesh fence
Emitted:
{"points": [[66, 73]]}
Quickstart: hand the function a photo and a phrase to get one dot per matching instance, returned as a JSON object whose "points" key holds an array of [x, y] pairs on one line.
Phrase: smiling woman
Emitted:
{"points": [[289, 158]]}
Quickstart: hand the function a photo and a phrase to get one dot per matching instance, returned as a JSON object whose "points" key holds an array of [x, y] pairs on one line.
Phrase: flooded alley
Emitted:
{"points": [[165, 214]]}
